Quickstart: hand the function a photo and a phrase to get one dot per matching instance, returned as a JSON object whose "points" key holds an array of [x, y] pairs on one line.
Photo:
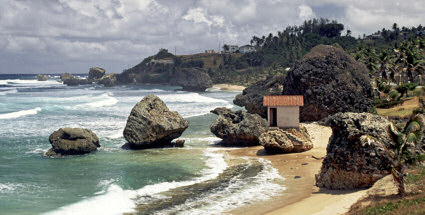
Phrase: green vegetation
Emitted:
{"points": [[393, 57], [413, 203]]}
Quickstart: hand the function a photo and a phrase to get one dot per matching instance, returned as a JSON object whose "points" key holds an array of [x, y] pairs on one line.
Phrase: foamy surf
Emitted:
{"points": [[6, 92], [119, 201], [19, 114]]}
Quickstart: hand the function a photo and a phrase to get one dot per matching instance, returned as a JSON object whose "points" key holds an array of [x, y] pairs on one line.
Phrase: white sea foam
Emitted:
{"points": [[237, 194], [118, 201], [37, 151], [104, 100], [189, 98], [21, 113], [9, 187], [6, 92]]}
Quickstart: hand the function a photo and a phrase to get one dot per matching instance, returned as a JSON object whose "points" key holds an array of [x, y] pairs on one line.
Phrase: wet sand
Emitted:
{"points": [[301, 195]]}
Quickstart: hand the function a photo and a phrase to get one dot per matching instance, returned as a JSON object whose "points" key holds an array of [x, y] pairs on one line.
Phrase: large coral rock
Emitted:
{"points": [[66, 76], [96, 73], [74, 81], [192, 79], [252, 96], [238, 128], [41, 77], [286, 140], [357, 154], [72, 141], [152, 124], [108, 80], [331, 81]]}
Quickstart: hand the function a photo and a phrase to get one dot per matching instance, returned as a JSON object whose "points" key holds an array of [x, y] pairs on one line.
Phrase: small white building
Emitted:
{"points": [[246, 49], [283, 111]]}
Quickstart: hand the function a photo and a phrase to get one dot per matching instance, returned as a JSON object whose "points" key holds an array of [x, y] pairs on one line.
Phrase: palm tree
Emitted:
{"points": [[404, 144]]}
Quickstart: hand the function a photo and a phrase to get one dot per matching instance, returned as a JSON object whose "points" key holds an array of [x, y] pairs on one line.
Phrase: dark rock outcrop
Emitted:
{"points": [[96, 73], [41, 77], [238, 128], [108, 80], [151, 124], [357, 154], [192, 79], [74, 81], [72, 141], [252, 96], [286, 140], [331, 81]]}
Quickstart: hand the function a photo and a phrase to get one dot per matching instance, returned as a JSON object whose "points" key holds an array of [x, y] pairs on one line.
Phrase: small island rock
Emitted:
{"points": [[108, 80], [96, 73], [72, 141], [238, 128], [151, 124], [41, 77]]}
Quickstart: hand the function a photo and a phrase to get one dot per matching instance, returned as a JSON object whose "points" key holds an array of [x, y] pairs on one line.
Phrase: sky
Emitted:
{"points": [[57, 36]]}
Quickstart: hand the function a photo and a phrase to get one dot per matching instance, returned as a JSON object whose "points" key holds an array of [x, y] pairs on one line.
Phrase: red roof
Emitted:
{"points": [[283, 100]]}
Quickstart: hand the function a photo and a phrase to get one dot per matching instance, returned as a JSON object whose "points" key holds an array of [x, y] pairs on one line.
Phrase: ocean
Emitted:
{"points": [[196, 179]]}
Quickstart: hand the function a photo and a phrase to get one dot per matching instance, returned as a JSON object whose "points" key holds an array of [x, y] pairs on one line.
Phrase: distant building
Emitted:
{"points": [[283, 111], [230, 48], [246, 49], [211, 51]]}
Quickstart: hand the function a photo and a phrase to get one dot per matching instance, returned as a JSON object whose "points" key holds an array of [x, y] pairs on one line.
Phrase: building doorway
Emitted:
{"points": [[273, 117]]}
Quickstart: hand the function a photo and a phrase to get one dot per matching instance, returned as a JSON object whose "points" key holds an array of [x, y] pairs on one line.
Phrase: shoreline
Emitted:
{"points": [[228, 87], [301, 195]]}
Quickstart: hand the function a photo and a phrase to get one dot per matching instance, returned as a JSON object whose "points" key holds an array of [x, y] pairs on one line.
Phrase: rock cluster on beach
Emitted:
{"points": [[192, 79], [292, 140], [151, 124], [238, 128], [357, 154], [95, 73], [330, 80], [72, 141]]}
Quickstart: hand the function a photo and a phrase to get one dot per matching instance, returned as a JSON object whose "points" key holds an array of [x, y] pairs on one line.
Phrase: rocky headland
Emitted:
{"points": [[151, 124]]}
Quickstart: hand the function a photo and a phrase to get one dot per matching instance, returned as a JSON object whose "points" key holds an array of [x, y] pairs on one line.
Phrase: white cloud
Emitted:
{"points": [[71, 33], [306, 12]]}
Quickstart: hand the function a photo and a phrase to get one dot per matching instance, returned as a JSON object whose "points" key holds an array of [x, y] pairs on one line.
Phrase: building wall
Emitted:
{"points": [[287, 116]]}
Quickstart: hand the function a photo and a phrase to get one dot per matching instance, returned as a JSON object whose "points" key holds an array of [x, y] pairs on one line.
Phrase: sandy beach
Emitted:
{"points": [[229, 87], [299, 169]]}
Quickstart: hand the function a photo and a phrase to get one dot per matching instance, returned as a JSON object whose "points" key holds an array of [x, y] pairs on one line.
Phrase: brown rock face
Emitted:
{"points": [[72, 141], [252, 96], [96, 73], [286, 140], [192, 79], [151, 124], [331, 82], [357, 153], [238, 128]]}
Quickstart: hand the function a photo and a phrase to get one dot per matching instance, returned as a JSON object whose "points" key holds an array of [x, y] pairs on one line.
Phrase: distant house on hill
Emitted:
{"points": [[210, 51], [246, 49], [283, 111], [230, 48]]}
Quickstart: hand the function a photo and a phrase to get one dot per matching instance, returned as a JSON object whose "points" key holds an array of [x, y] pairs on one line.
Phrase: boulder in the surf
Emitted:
{"points": [[72, 141], [238, 128], [151, 124]]}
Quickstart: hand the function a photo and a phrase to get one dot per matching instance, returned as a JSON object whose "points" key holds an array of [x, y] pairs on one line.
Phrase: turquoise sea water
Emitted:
{"points": [[192, 180]]}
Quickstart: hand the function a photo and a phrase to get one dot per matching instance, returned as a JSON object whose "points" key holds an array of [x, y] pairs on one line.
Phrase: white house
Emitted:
{"points": [[246, 49], [283, 111]]}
